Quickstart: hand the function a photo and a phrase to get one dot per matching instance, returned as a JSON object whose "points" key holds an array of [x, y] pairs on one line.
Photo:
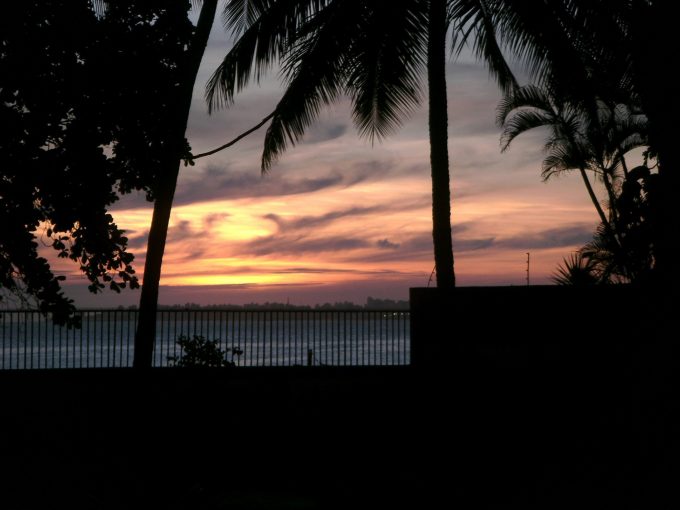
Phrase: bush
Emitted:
{"points": [[199, 352]]}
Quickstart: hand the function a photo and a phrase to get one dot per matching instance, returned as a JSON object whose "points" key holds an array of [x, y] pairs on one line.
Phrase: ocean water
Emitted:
{"points": [[250, 338]]}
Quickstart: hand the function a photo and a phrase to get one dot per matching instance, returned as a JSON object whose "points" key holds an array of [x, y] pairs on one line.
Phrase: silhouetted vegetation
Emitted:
{"points": [[594, 138], [176, 151], [199, 352], [72, 136], [374, 52], [577, 270], [87, 117], [588, 53], [626, 251]]}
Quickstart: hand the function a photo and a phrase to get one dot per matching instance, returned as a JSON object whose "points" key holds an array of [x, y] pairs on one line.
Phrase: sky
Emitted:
{"points": [[341, 219]]}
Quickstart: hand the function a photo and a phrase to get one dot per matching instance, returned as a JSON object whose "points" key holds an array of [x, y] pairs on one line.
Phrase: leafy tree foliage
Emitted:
{"points": [[611, 50], [199, 352], [82, 103], [375, 52]]}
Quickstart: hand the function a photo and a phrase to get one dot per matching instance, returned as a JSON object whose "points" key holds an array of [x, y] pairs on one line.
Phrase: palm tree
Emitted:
{"points": [[375, 51], [582, 49], [439, 139], [323, 46], [593, 141], [598, 48], [578, 270], [585, 139]]}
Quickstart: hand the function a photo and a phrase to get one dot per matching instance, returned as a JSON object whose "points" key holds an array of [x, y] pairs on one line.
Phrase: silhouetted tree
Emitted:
{"points": [[374, 51], [80, 96], [583, 139], [163, 188], [585, 49], [631, 257], [578, 270]]}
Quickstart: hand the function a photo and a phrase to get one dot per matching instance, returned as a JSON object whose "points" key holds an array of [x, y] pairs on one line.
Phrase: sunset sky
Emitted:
{"points": [[338, 219]]}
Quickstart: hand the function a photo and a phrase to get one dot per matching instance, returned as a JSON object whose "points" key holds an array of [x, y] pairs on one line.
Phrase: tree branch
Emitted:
{"points": [[239, 137]]}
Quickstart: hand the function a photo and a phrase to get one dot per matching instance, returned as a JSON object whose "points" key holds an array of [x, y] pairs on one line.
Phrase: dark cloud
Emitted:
{"points": [[410, 248], [278, 245], [216, 184], [257, 270], [325, 132], [307, 222], [134, 200], [467, 126], [329, 270], [385, 244], [189, 238], [420, 246], [423, 243], [314, 270], [226, 183], [577, 234], [466, 245], [214, 218], [138, 241], [223, 183], [459, 228], [182, 230]]}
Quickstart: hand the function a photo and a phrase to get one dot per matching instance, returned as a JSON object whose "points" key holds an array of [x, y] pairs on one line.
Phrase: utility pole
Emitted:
{"points": [[528, 267]]}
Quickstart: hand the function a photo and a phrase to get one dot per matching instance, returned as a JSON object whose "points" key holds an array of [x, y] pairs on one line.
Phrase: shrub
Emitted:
{"points": [[199, 352]]}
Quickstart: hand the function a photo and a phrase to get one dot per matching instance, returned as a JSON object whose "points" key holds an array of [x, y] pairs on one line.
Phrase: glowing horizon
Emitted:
{"points": [[338, 217]]}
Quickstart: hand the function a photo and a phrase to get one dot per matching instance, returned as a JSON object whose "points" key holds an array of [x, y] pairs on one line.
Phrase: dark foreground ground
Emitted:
{"points": [[477, 433]]}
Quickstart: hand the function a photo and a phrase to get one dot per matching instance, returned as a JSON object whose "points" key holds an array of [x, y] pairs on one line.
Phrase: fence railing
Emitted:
{"points": [[29, 340]]}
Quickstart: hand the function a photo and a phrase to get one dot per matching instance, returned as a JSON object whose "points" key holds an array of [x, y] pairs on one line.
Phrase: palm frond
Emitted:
{"points": [[239, 15], [315, 72], [385, 65], [540, 35], [560, 158], [475, 19], [522, 121], [266, 33], [578, 269], [528, 96]]}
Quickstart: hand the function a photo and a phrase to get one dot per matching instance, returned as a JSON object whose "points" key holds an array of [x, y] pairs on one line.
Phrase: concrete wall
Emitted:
{"points": [[522, 326]]}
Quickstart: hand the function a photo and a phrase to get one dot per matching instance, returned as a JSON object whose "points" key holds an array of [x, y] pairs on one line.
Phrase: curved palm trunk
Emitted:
{"points": [[603, 217], [610, 193], [165, 191], [593, 197], [439, 152]]}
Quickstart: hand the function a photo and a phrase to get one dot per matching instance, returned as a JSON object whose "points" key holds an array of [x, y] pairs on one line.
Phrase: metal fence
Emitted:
{"points": [[29, 340]]}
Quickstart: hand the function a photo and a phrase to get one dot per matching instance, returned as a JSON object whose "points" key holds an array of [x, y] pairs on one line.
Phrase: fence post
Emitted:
{"points": [[310, 357]]}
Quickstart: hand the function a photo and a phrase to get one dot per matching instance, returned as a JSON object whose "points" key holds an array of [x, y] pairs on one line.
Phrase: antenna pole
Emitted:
{"points": [[528, 267]]}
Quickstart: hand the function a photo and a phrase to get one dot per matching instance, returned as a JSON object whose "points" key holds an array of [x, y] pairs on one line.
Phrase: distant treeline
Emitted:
{"points": [[371, 304]]}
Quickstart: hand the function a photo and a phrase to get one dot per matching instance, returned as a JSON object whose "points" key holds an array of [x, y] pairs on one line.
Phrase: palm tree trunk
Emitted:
{"points": [[439, 152], [164, 192], [596, 202], [610, 193], [603, 217]]}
